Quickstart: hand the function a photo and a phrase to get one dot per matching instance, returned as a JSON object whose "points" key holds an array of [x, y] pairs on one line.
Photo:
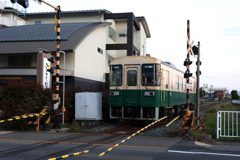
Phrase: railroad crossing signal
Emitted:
{"points": [[49, 68], [187, 62], [23, 3], [195, 50], [198, 63], [190, 48], [187, 74]]}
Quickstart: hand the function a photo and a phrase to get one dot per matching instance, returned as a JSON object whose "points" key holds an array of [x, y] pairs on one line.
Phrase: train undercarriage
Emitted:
{"points": [[145, 113]]}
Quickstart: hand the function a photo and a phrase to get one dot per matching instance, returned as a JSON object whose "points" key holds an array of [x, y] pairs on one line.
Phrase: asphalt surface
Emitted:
{"points": [[45, 145]]}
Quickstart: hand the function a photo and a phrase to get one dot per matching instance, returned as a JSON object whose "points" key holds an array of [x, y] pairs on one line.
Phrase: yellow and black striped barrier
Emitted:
{"points": [[131, 136], [69, 155], [172, 121], [23, 116], [186, 126]]}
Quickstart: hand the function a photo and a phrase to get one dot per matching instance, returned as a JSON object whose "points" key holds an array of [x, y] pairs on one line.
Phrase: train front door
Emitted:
{"points": [[131, 85]]}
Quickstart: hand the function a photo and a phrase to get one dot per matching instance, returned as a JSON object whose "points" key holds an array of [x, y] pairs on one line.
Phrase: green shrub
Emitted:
{"points": [[18, 98]]}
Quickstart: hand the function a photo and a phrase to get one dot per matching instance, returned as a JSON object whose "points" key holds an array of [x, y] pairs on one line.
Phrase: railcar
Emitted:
{"points": [[144, 88]]}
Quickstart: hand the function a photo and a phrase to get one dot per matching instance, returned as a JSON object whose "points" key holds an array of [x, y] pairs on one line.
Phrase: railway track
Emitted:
{"points": [[206, 107], [26, 148], [114, 134]]}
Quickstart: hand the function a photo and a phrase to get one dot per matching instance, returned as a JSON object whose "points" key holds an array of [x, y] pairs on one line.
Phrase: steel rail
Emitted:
{"points": [[131, 136]]}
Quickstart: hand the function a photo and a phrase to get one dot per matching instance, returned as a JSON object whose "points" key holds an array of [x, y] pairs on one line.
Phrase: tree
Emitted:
{"points": [[202, 92], [235, 95]]}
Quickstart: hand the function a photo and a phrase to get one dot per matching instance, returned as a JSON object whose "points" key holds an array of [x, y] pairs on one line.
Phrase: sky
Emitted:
{"points": [[215, 23]]}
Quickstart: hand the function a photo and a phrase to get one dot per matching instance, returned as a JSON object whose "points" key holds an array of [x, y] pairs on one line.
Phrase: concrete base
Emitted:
{"points": [[88, 123]]}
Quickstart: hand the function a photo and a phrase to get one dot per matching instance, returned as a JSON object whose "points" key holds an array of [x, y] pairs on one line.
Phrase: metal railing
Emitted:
{"points": [[227, 124], [15, 6]]}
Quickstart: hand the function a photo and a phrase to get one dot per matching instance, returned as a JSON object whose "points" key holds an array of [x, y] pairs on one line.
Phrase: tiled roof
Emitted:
{"points": [[28, 38], [40, 32]]}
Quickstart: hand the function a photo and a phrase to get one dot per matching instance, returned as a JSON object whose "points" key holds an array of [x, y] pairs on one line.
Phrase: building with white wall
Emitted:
{"points": [[9, 14], [211, 89], [91, 39]]}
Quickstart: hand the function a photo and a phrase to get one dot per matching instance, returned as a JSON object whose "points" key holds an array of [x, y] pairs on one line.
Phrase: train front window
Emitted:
{"points": [[132, 78], [116, 75], [151, 74]]}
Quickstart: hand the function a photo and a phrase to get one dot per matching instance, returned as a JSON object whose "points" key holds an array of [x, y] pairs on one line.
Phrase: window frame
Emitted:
{"points": [[112, 33], [156, 75], [167, 79], [128, 78], [111, 74], [176, 82]]}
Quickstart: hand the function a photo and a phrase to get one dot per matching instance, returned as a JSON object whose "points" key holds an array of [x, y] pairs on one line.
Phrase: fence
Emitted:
{"points": [[227, 124]]}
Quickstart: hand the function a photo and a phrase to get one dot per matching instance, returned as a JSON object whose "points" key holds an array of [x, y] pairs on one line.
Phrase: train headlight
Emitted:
{"points": [[149, 93], [114, 93]]}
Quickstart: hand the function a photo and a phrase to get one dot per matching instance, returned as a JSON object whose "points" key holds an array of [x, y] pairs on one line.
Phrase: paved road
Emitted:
{"points": [[44, 145]]}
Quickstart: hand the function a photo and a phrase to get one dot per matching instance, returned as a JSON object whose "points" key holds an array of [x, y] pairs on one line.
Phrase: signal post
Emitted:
{"points": [[55, 96], [187, 62]]}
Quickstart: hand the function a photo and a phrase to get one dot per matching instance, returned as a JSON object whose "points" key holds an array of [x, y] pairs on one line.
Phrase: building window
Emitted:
{"points": [[100, 50], [177, 83], [19, 61], [112, 34], [38, 22], [122, 35]]}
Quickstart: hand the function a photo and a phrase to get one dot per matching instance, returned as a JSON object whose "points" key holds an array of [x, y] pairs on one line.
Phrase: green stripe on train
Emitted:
{"points": [[160, 99]]}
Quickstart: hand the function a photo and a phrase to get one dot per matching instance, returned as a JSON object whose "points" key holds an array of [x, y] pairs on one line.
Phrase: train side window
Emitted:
{"points": [[157, 75], [192, 84], [184, 84], [116, 75], [167, 79], [132, 78], [177, 83], [181, 84]]}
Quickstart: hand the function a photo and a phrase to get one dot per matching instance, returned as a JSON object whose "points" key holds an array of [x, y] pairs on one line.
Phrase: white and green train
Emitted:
{"points": [[144, 88]]}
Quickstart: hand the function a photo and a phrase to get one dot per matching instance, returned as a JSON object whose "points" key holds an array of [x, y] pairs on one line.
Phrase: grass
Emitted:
{"points": [[75, 127]]}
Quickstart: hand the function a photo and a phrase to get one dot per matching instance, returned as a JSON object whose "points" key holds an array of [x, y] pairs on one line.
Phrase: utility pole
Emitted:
{"points": [[198, 73]]}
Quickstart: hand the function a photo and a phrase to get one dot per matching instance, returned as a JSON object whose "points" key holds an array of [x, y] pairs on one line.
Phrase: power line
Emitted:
{"points": [[224, 77]]}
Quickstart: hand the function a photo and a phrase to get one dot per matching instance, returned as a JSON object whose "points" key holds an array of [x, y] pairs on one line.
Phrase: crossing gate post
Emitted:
{"points": [[186, 127], [44, 119]]}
